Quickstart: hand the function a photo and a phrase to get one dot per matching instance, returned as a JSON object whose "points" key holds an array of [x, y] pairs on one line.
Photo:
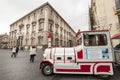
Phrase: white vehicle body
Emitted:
{"points": [[83, 59]]}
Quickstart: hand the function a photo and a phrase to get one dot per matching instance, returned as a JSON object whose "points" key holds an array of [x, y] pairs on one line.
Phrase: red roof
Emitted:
{"points": [[116, 36]]}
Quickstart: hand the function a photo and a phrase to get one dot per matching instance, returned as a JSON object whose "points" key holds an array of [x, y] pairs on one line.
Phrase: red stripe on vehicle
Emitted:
{"points": [[103, 68], [99, 67], [80, 54]]}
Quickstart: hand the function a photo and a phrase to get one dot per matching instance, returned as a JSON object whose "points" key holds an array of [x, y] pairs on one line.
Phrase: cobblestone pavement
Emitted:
{"points": [[20, 68]]}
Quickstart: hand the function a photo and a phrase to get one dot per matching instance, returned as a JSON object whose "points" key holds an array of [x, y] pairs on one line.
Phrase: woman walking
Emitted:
{"points": [[32, 53], [13, 52]]}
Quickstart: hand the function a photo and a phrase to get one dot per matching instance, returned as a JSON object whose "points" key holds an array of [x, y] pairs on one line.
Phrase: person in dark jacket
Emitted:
{"points": [[17, 49]]}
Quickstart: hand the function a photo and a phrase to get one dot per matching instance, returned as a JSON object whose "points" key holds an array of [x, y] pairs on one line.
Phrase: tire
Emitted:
{"points": [[103, 76], [47, 69]]}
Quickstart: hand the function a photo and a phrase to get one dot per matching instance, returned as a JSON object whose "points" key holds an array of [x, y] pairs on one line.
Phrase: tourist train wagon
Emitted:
{"points": [[93, 55]]}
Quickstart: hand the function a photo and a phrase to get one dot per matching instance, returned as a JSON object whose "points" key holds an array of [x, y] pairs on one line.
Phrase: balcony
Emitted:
{"points": [[40, 29], [117, 11], [50, 30], [20, 33]]}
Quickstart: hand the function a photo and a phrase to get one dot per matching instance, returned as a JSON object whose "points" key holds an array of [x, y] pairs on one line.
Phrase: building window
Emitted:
{"points": [[21, 28], [33, 26], [51, 12], [57, 26], [61, 42], [26, 40], [35, 15], [61, 29], [119, 18], [50, 27], [56, 17], [27, 28], [56, 41], [21, 21], [41, 11], [40, 39], [64, 32], [41, 24], [28, 18], [61, 36], [64, 43], [32, 41], [117, 4]]}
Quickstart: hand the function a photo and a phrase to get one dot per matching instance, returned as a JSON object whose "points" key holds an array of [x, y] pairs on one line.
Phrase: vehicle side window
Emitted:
{"points": [[95, 40], [58, 58], [102, 40], [69, 58]]}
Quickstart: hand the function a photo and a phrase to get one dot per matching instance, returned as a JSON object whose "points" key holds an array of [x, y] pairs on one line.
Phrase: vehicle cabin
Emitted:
{"points": [[93, 55]]}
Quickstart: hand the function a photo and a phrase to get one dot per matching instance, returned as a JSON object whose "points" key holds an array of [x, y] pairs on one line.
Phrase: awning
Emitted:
{"points": [[116, 36]]}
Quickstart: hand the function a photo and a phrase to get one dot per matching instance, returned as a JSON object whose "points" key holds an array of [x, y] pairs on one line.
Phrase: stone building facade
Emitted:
{"points": [[105, 15], [33, 28], [4, 41]]}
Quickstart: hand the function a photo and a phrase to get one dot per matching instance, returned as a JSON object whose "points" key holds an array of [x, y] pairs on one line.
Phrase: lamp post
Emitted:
{"points": [[78, 35], [50, 35]]}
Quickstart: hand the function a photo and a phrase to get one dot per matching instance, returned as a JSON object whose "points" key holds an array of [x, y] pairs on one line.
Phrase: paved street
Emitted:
{"points": [[20, 68]]}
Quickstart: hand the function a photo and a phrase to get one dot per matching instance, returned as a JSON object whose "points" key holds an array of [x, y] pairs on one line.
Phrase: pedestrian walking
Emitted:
{"points": [[17, 49], [13, 52], [32, 53]]}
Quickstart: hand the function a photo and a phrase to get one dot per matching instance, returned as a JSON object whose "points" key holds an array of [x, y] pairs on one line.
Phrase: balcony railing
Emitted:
{"points": [[20, 33], [40, 29], [50, 30]]}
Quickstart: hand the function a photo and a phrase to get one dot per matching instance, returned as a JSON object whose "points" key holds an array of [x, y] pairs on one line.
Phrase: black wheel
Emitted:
{"points": [[118, 68], [103, 76], [47, 69]]}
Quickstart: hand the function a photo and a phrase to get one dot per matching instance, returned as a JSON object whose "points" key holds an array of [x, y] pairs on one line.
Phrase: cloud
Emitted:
{"points": [[75, 12]]}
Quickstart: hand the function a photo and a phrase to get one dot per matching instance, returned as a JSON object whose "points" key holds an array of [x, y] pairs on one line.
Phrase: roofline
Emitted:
{"points": [[96, 31], [61, 17], [30, 12], [47, 3]]}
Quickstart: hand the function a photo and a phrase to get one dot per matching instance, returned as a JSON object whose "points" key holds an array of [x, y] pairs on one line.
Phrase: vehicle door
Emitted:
{"points": [[97, 46]]}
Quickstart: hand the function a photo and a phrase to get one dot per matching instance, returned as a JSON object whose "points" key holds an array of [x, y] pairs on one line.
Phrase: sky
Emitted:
{"points": [[74, 12]]}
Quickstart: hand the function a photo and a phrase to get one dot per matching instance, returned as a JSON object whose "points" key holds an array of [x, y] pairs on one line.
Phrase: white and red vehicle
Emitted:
{"points": [[93, 56]]}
